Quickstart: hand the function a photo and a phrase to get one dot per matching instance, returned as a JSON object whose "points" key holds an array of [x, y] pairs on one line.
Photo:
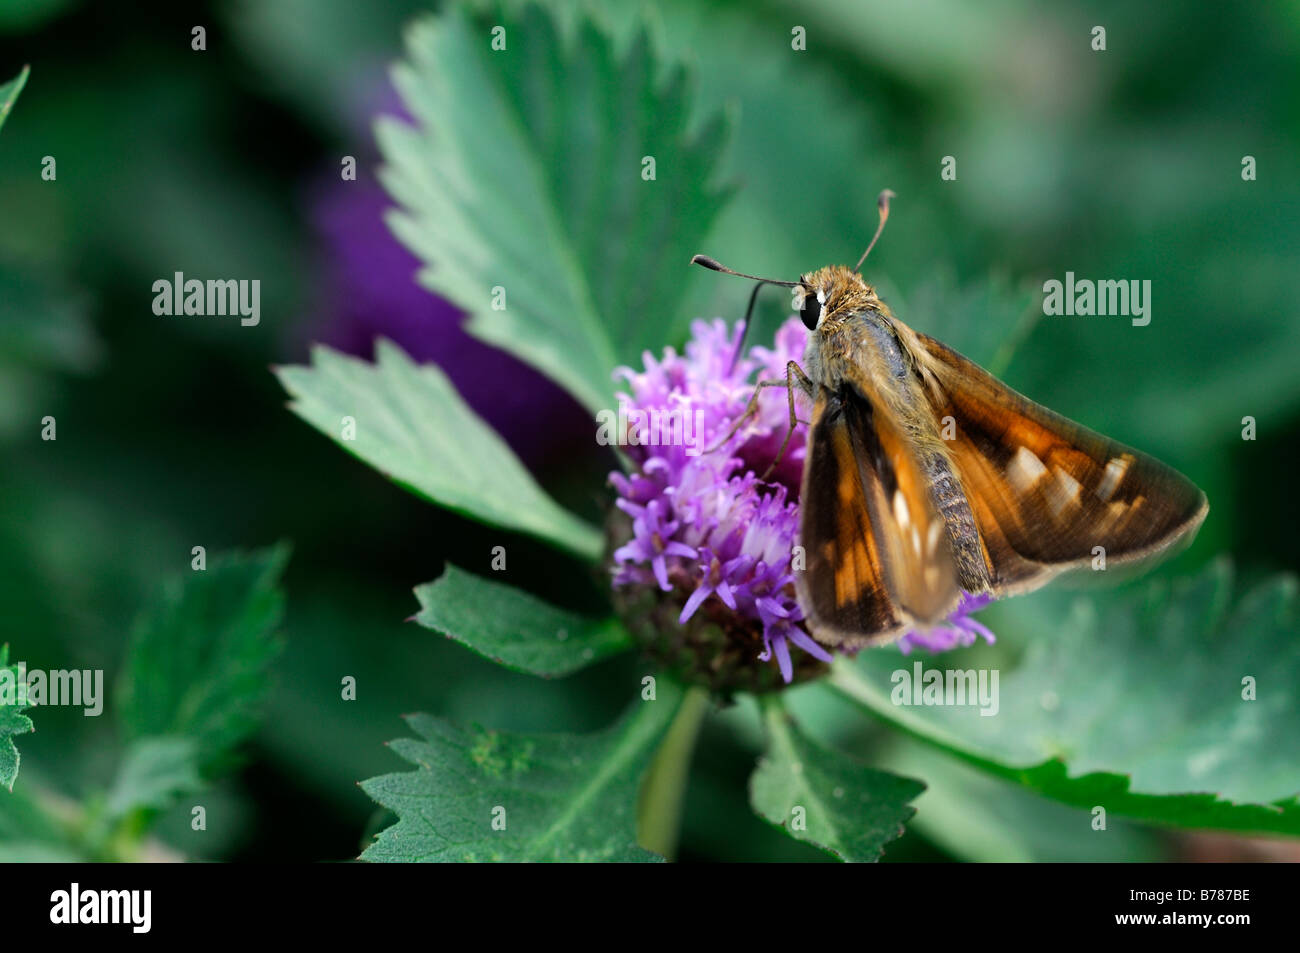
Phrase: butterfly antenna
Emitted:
{"points": [[713, 265], [744, 327], [882, 206]]}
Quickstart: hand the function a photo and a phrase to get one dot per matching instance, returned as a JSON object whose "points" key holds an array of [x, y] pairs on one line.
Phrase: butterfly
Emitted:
{"points": [[926, 478]]}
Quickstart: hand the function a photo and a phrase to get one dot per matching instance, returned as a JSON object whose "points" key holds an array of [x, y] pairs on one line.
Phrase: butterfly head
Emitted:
{"points": [[828, 296]]}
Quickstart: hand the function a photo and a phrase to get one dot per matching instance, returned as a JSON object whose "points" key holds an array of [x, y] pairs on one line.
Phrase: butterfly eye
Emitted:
{"points": [[811, 311]]}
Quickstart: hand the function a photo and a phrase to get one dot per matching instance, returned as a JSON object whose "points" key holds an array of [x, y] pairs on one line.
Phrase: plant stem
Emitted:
{"points": [[659, 811]]}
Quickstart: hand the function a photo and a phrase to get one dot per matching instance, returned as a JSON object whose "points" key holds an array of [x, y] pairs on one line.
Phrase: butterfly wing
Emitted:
{"points": [[878, 556], [1046, 491]]}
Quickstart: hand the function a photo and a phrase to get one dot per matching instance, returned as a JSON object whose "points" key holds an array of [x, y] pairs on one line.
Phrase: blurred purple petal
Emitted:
{"points": [[368, 289]]}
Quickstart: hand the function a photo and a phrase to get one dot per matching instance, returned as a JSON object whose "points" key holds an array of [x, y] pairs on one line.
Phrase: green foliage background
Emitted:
{"points": [[173, 434]]}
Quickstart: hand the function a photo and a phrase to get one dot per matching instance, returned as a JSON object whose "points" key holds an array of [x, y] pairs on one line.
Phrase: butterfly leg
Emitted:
{"points": [[750, 410], [805, 384]]}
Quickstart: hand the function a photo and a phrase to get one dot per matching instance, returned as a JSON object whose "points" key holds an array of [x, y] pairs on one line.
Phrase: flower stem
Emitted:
{"points": [[659, 812]]}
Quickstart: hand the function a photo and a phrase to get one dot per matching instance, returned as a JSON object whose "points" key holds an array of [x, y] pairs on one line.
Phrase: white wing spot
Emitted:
{"points": [[1114, 511], [1064, 493], [1069, 484], [1115, 470], [901, 515], [1025, 469], [932, 538]]}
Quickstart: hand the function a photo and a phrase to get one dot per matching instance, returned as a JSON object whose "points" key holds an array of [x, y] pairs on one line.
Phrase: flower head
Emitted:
{"points": [[707, 533], [960, 630]]}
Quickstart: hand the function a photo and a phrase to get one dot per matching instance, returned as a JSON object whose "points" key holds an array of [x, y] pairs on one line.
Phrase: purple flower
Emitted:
{"points": [[960, 630], [704, 526], [652, 540]]}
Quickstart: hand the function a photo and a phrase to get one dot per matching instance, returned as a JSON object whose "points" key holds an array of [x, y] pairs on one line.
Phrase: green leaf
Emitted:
{"points": [[560, 797], [24, 818], [39, 826], [13, 701], [514, 628], [525, 172], [412, 426], [9, 93], [153, 774], [196, 666], [1135, 704], [984, 819], [39, 852], [35, 832], [826, 798]]}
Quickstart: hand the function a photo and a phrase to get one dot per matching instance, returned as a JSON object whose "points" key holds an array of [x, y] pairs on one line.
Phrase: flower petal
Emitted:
{"points": [[804, 642], [783, 658]]}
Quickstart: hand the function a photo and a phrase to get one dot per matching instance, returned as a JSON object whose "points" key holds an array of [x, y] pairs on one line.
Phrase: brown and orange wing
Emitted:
{"points": [[1046, 491], [878, 556]]}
